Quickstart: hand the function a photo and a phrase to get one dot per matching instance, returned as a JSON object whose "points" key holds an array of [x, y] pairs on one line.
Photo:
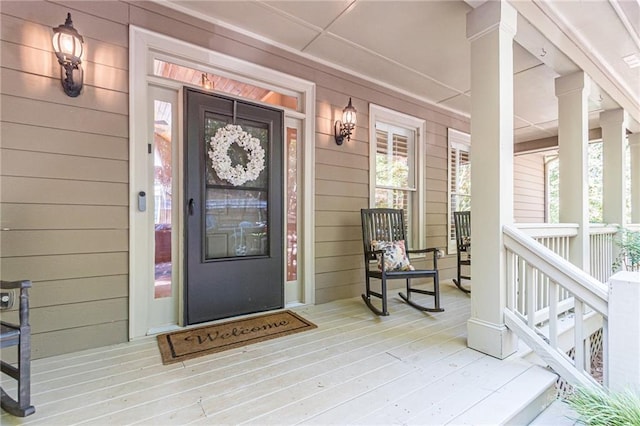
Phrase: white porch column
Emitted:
{"points": [[573, 140], [634, 152], [614, 136], [490, 29], [624, 329]]}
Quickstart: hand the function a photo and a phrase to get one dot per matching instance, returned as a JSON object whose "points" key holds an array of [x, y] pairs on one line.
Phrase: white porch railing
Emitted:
{"points": [[550, 301], [602, 250], [556, 236]]}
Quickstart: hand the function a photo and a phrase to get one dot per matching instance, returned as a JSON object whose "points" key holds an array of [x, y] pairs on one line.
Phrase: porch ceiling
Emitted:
{"points": [[420, 48]]}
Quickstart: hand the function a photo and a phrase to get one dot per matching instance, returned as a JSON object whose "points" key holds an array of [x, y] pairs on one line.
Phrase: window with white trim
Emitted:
{"points": [[459, 179], [397, 167]]}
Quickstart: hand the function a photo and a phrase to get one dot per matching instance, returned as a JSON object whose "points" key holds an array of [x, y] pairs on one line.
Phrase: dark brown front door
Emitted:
{"points": [[233, 207]]}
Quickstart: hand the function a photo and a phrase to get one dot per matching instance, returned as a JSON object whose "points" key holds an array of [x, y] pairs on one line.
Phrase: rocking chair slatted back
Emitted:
{"points": [[381, 225], [462, 222]]}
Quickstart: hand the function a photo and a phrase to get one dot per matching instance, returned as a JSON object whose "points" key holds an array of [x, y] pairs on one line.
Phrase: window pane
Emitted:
{"points": [[236, 223], [460, 169], [223, 84], [162, 181], [394, 159], [292, 204]]}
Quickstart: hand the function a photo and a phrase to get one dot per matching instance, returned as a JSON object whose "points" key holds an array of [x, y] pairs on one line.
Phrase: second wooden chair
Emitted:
{"points": [[462, 223]]}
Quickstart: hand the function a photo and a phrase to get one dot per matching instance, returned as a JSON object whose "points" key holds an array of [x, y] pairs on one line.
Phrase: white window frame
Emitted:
{"points": [[459, 141], [419, 126]]}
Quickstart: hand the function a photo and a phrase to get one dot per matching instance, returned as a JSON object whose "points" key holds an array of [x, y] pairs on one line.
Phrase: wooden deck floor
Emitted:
{"points": [[355, 368]]}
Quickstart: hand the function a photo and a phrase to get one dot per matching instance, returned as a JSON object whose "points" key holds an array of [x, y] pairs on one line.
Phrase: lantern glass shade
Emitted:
{"points": [[68, 48], [67, 43], [349, 116], [344, 128]]}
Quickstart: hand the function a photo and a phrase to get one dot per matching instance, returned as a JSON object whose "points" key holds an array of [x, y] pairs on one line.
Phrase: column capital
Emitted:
{"points": [[572, 83], [613, 116], [634, 139], [489, 17]]}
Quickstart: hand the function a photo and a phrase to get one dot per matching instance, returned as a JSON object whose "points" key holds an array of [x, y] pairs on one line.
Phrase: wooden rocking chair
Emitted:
{"points": [[18, 335], [384, 239], [462, 222]]}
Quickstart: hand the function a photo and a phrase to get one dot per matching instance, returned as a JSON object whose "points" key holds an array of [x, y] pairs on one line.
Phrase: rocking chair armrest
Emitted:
{"points": [[10, 285], [424, 250], [369, 254], [464, 247], [434, 250], [374, 252]]}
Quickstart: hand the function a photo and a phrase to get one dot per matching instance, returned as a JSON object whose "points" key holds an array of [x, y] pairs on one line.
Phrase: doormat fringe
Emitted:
{"points": [[187, 344]]}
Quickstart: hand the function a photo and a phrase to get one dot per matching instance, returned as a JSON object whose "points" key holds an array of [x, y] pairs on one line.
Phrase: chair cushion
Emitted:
{"points": [[395, 255]]}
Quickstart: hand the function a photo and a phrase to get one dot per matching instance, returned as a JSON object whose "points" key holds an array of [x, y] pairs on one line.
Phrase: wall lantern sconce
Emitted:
{"points": [[67, 44], [343, 129], [206, 83]]}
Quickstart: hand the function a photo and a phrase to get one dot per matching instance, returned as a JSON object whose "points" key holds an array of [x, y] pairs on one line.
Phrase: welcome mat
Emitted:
{"points": [[194, 342]]}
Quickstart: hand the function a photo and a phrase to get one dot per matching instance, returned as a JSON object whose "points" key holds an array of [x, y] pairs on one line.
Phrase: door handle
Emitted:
{"points": [[191, 204]]}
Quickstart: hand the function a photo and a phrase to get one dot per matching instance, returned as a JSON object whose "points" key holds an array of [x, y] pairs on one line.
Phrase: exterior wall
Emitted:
{"points": [[529, 188], [64, 175], [65, 165]]}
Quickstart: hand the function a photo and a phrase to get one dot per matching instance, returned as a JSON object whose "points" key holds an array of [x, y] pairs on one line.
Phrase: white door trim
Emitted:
{"points": [[143, 45]]}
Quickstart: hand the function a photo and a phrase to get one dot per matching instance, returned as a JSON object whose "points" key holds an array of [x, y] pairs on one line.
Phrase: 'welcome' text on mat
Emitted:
{"points": [[194, 342]]}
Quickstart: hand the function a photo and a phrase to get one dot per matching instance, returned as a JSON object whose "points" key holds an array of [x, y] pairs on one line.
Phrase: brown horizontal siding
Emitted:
{"points": [[60, 267], [61, 216], [79, 290], [60, 191], [529, 188], [63, 166], [78, 338], [59, 141]]}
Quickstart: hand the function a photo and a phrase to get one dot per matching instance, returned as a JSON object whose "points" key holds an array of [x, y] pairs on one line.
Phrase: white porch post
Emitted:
{"points": [[490, 29], [634, 152], [613, 124], [624, 329], [573, 140]]}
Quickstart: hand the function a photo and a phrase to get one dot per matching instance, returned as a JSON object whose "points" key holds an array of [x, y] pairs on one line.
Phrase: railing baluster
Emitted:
{"points": [[511, 289], [530, 295], [521, 287], [578, 332], [553, 314], [605, 352]]}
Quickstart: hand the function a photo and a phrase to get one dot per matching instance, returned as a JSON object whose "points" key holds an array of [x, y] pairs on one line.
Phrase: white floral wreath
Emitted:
{"points": [[221, 162]]}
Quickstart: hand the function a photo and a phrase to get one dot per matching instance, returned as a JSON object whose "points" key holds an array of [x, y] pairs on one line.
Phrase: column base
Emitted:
{"points": [[495, 340]]}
